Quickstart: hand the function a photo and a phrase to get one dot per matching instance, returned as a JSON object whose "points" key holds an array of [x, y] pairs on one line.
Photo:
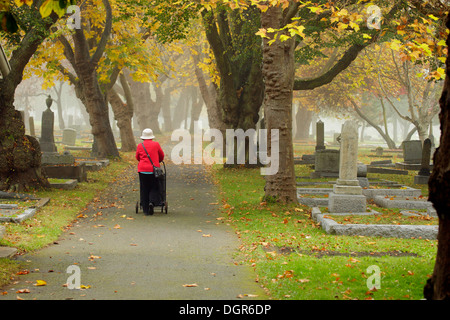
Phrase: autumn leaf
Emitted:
{"points": [[40, 283], [190, 285], [23, 291]]}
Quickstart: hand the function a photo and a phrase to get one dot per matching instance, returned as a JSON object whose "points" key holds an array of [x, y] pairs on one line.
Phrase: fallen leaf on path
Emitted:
{"points": [[40, 283], [23, 291], [206, 235], [117, 226], [190, 285], [85, 287]]}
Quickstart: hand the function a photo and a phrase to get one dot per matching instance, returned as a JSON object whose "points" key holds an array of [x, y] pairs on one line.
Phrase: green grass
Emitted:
{"points": [[64, 207], [340, 272]]}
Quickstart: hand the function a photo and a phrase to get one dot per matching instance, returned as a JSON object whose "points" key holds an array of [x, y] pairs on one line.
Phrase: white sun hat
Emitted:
{"points": [[147, 134]]}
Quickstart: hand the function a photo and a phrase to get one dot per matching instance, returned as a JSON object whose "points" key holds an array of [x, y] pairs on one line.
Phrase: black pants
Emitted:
{"points": [[150, 191]]}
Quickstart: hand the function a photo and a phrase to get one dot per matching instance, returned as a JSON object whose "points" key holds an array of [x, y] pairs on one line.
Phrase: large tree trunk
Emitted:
{"points": [[20, 155], [209, 95], [123, 114], [238, 60], [97, 108], [278, 71], [438, 286]]}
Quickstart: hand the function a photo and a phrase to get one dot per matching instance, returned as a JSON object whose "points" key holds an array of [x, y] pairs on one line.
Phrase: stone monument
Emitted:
{"points": [[347, 193], [47, 140], [424, 173], [69, 137], [412, 151], [320, 135], [31, 125]]}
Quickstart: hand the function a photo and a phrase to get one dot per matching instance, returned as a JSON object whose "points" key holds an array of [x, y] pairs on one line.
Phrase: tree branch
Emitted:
{"points": [[105, 35]]}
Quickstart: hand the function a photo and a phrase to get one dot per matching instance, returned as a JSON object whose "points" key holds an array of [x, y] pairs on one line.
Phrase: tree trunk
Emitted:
{"points": [[20, 155], [123, 115], [97, 108], [238, 60], [196, 107], [438, 286], [209, 95], [278, 71]]}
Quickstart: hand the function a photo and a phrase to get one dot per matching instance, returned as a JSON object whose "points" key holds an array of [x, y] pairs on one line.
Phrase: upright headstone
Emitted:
{"points": [[424, 173], [326, 163], [69, 136], [347, 192], [320, 135], [31, 124], [412, 151], [47, 140]]}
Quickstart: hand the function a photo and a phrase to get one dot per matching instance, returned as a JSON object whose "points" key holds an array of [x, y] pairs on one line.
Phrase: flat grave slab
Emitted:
{"points": [[373, 230], [402, 202]]}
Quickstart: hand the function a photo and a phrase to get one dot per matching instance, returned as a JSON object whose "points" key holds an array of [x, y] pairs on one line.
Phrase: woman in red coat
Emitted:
{"points": [[149, 186]]}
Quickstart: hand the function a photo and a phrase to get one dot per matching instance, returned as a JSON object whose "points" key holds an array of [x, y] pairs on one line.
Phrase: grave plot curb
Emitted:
{"points": [[376, 230], [384, 202], [28, 213]]}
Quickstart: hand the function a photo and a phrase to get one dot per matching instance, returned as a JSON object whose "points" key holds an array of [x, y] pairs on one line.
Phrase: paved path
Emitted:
{"points": [[124, 255]]}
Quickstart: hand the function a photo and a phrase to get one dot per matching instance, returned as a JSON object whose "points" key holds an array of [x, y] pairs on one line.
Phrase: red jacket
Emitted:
{"points": [[155, 152]]}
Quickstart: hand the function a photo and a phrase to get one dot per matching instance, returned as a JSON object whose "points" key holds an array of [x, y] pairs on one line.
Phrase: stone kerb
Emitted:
{"points": [[401, 202], [375, 230]]}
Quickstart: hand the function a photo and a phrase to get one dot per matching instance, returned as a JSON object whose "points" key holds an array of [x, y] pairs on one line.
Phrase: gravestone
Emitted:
{"points": [[53, 158], [31, 125], [69, 137], [412, 151], [320, 135], [379, 151], [424, 173], [347, 193], [326, 163], [47, 140], [336, 138]]}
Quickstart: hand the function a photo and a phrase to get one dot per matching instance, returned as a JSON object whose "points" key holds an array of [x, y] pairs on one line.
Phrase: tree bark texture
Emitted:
{"points": [[438, 286], [122, 114], [278, 71], [20, 155], [237, 54]]}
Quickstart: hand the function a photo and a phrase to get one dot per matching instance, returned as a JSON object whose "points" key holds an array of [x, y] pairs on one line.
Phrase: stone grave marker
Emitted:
{"points": [[69, 137], [412, 151], [326, 163], [47, 140], [320, 135], [424, 173], [347, 193], [31, 125]]}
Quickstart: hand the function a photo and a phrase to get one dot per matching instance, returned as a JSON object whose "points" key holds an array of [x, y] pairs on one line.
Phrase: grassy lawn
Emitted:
{"points": [[295, 259], [64, 207]]}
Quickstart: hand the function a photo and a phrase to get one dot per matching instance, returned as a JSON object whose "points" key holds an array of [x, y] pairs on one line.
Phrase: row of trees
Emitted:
{"points": [[263, 51]]}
